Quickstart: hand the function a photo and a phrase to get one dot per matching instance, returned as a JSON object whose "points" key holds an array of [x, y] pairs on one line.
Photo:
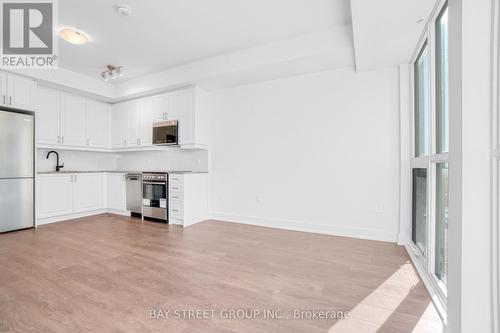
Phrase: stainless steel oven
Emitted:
{"points": [[166, 133], [155, 196]]}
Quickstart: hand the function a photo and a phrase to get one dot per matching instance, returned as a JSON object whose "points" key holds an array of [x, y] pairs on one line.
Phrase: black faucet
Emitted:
{"points": [[58, 167]]}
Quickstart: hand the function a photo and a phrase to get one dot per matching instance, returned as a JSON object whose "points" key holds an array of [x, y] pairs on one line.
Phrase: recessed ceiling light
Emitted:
{"points": [[73, 36]]}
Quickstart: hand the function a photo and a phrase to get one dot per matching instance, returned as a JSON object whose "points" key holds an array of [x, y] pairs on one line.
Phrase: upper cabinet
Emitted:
{"points": [[119, 124], [188, 106], [48, 116], [73, 119], [133, 110], [193, 118], [97, 123], [70, 120], [17, 91], [152, 109], [79, 123]]}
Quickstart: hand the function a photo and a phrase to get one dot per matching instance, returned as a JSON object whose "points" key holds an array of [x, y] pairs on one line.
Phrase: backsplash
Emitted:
{"points": [[171, 159], [76, 160]]}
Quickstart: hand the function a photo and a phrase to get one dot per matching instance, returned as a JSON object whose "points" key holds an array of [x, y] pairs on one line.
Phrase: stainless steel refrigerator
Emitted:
{"points": [[17, 182]]}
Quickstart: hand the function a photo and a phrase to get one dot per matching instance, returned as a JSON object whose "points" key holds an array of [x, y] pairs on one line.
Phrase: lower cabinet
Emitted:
{"points": [[116, 195], [87, 192], [66, 194], [188, 198], [54, 194]]}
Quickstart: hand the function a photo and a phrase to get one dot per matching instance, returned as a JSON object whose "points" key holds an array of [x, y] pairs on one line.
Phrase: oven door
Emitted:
{"points": [[154, 194], [166, 133], [154, 201]]}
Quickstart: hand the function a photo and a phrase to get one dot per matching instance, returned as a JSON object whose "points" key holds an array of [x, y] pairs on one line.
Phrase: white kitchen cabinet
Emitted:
{"points": [[97, 124], [119, 124], [48, 116], [187, 121], [116, 191], [194, 105], [3, 89], [17, 91], [70, 120], [73, 120], [133, 124], [21, 92], [173, 106], [68, 195], [152, 109], [87, 192], [188, 198], [79, 123], [54, 195]]}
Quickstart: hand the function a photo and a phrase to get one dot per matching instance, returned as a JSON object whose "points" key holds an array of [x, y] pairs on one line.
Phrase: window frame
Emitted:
{"points": [[426, 265], [495, 163]]}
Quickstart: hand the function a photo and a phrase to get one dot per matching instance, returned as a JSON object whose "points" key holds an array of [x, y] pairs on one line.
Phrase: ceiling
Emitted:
{"points": [[164, 34], [386, 32]]}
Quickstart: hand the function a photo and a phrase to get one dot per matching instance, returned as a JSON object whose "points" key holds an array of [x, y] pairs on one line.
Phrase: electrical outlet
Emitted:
{"points": [[379, 208]]}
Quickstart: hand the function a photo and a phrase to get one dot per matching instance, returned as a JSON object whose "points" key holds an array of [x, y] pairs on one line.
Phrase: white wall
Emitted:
{"points": [[317, 152], [76, 161], [470, 285]]}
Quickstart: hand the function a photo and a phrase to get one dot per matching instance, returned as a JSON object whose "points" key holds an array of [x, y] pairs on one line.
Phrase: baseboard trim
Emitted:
{"points": [[362, 233], [54, 219]]}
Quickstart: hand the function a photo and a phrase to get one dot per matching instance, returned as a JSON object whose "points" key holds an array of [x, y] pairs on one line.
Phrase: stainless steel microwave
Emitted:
{"points": [[166, 133]]}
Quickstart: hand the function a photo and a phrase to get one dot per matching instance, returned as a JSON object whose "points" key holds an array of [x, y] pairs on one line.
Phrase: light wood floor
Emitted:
{"points": [[105, 273]]}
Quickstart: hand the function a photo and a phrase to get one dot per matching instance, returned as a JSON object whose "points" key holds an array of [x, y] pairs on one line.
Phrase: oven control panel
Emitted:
{"points": [[155, 177]]}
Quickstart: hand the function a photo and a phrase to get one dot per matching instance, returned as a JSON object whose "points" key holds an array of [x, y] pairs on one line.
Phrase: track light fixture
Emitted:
{"points": [[112, 72]]}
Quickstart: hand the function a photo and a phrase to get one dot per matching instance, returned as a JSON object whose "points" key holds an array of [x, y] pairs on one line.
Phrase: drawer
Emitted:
{"points": [[174, 181], [175, 196], [176, 187], [176, 213], [175, 178], [175, 204]]}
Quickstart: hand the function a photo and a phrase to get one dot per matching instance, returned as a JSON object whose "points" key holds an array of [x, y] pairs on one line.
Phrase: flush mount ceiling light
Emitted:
{"points": [[123, 10], [74, 36], [112, 72]]}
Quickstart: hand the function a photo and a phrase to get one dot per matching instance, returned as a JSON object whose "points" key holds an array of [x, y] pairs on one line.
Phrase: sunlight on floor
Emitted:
{"points": [[388, 308]]}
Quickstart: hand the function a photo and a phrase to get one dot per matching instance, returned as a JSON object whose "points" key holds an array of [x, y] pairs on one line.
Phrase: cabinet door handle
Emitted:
{"points": [[58, 139], [4, 101], [62, 139], [10, 100]]}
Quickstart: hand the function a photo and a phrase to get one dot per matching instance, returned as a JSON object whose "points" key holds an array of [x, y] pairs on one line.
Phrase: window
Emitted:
{"points": [[419, 207], [431, 145], [441, 234], [421, 71], [442, 81]]}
